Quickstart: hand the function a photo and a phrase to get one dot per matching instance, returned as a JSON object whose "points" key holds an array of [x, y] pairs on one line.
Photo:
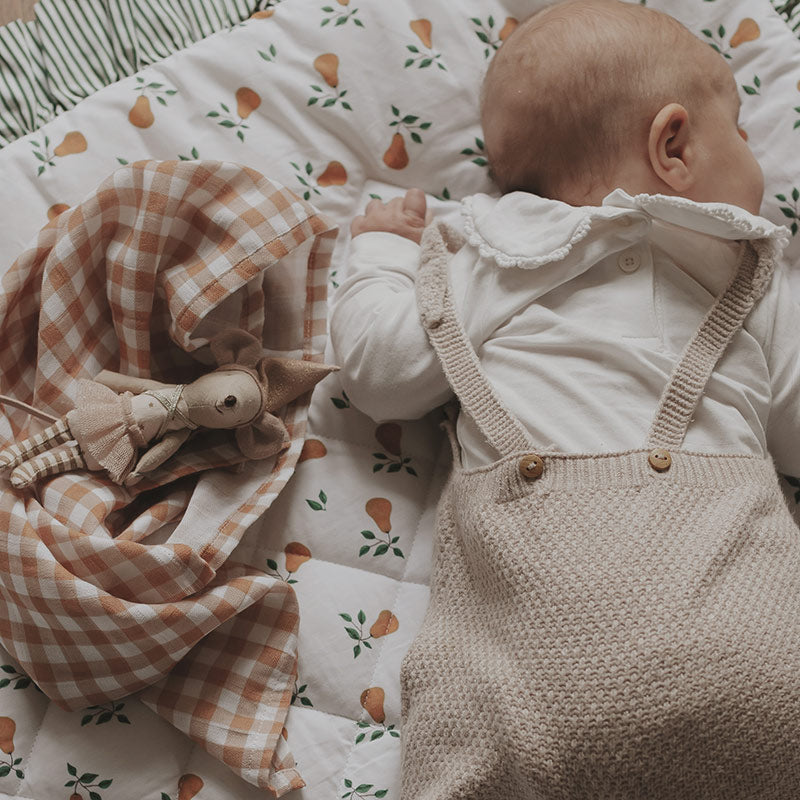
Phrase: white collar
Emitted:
{"points": [[523, 230]]}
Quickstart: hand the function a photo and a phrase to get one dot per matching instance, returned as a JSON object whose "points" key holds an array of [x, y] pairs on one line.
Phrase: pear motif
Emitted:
{"points": [[7, 730], [747, 31], [74, 142], [508, 28], [389, 434], [328, 66], [312, 448], [396, 156], [385, 624], [141, 115], [296, 555], [423, 28], [55, 210], [247, 101], [334, 175], [372, 700], [380, 509], [189, 785]]}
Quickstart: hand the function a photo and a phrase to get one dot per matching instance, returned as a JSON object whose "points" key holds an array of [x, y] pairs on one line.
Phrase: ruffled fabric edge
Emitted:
{"points": [[582, 219], [538, 220], [70, 50]]}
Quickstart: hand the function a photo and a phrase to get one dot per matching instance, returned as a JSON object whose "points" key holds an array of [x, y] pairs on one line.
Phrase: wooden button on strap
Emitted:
{"points": [[531, 466], [660, 459]]}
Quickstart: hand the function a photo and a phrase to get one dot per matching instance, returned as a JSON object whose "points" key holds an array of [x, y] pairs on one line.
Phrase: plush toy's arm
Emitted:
{"points": [[127, 383], [157, 454]]}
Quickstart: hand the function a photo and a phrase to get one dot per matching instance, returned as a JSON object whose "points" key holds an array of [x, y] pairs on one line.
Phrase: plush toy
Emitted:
{"points": [[117, 416]]}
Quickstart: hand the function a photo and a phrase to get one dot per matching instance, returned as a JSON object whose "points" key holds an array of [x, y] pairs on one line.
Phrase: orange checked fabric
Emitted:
{"points": [[107, 590]]}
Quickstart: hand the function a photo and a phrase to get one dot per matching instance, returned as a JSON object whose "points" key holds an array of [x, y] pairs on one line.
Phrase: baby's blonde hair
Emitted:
{"points": [[577, 85]]}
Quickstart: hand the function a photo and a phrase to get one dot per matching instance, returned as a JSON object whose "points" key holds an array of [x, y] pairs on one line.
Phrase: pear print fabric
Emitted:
{"points": [[338, 101]]}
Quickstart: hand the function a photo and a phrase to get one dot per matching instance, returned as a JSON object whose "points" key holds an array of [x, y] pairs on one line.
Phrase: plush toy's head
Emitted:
{"points": [[225, 398], [246, 389]]}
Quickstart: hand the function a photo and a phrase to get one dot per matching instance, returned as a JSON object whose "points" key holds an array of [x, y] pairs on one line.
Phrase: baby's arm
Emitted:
{"points": [[388, 368]]}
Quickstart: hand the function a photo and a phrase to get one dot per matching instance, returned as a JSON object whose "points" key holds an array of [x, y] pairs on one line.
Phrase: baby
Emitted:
{"points": [[616, 589], [621, 134]]}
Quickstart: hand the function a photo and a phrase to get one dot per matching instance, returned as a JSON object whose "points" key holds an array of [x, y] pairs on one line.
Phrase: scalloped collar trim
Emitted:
{"points": [[523, 230]]}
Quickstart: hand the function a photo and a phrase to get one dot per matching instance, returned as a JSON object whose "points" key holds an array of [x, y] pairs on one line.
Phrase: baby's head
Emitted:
{"points": [[591, 95]]}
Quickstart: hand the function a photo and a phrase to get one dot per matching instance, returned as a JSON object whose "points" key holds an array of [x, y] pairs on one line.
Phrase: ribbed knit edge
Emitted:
{"points": [[72, 48], [598, 472]]}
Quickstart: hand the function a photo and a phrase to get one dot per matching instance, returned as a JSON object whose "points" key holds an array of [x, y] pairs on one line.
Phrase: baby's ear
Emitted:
{"points": [[670, 147]]}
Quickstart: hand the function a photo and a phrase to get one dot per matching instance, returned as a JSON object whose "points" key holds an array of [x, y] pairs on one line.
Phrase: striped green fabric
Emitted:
{"points": [[75, 47], [790, 10]]}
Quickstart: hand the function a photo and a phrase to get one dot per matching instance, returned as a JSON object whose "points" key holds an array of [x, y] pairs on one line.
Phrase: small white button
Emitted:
{"points": [[629, 261]]}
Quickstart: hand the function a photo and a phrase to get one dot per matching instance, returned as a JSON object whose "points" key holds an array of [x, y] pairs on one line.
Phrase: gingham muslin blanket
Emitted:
{"points": [[107, 590]]}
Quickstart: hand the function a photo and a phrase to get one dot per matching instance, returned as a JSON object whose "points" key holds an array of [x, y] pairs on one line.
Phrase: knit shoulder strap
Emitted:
{"points": [[502, 430], [695, 365]]}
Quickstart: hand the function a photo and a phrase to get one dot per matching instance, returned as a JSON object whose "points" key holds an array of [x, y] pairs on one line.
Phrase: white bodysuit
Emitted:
{"points": [[578, 316]]}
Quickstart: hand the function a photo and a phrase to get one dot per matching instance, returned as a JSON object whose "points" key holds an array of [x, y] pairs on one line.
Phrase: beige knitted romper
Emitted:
{"points": [[622, 625]]}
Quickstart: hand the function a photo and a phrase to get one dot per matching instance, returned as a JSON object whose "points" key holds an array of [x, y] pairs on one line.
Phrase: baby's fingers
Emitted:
{"points": [[357, 225], [414, 204], [374, 206]]}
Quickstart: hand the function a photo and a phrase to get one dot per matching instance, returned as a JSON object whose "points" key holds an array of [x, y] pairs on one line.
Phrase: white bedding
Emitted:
{"points": [[335, 139]]}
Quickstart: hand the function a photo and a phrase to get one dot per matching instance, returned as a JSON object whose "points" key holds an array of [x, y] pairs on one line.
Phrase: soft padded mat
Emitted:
{"points": [[337, 101]]}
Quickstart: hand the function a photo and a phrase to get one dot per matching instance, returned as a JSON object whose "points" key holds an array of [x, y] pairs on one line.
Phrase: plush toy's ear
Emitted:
{"points": [[128, 383], [265, 437], [236, 347], [287, 378]]}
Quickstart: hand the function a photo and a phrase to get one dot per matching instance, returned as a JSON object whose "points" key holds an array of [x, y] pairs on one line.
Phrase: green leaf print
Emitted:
{"points": [[479, 152], [321, 505], [105, 713], [15, 679], [791, 210], [338, 18], [227, 121], [43, 154], [269, 55], [341, 402], [717, 40], [86, 782], [755, 88]]}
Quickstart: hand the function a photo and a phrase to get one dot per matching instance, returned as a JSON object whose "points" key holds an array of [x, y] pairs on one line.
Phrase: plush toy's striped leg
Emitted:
{"points": [[52, 462], [57, 433]]}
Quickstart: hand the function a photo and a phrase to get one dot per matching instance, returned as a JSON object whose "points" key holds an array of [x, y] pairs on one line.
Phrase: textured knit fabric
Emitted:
{"points": [[606, 630]]}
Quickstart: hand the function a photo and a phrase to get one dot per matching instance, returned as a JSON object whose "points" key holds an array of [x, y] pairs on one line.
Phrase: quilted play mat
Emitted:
{"points": [[332, 102]]}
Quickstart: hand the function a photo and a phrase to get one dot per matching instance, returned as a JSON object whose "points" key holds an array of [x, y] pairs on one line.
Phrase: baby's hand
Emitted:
{"points": [[405, 216]]}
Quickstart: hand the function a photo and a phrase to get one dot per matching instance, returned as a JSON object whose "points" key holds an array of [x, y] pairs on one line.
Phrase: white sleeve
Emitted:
{"points": [[783, 428], [388, 368]]}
